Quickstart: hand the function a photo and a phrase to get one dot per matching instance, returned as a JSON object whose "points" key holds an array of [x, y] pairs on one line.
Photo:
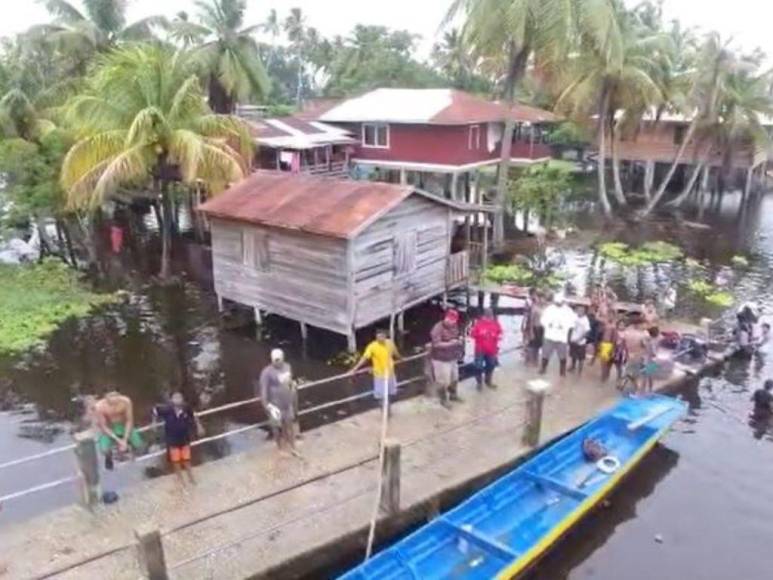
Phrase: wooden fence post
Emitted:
{"points": [[537, 390], [390, 489], [88, 467], [151, 553]]}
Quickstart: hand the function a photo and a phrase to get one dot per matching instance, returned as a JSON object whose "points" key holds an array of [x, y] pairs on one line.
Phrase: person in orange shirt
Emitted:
{"points": [[382, 354]]}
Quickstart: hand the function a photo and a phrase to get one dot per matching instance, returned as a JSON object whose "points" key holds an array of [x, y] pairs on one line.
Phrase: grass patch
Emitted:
{"points": [[36, 298]]}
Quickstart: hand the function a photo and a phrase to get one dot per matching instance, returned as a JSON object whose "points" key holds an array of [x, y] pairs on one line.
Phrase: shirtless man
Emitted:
{"points": [[114, 416], [636, 339], [650, 314]]}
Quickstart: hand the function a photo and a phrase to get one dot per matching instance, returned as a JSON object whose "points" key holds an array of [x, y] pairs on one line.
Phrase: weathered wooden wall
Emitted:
{"points": [[297, 275], [399, 259]]}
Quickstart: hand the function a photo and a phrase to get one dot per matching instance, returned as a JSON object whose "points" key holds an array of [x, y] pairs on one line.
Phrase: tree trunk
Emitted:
{"points": [[219, 99], [299, 88], [166, 232], [702, 190], [682, 197], [68, 244], [649, 178], [518, 60], [667, 179], [602, 163], [619, 194], [526, 216]]}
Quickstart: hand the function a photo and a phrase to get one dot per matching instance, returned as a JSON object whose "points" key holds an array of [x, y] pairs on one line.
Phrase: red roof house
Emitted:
{"points": [[433, 138]]}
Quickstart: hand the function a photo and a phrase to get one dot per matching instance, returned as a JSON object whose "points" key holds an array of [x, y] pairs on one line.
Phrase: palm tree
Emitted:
{"points": [[272, 27], [714, 63], [143, 120], [19, 117], [100, 26], [229, 58], [513, 31], [295, 27]]}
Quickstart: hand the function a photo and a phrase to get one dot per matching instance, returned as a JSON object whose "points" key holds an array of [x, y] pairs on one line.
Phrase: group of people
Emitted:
{"points": [[628, 344]]}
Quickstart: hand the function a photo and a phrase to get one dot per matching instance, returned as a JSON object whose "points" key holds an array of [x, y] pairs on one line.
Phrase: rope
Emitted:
{"points": [[37, 488]]}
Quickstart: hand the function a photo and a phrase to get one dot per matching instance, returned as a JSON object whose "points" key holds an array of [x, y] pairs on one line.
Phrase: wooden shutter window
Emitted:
{"points": [[405, 252]]}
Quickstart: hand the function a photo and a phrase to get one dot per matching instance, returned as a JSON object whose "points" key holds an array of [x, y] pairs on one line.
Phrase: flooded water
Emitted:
{"points": [[707, 488]]}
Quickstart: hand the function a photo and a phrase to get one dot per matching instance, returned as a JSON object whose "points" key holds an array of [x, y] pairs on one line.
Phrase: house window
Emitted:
{"points": [[679, 133], [255, 250], [473, 137], [405, 246], [375, 135]]}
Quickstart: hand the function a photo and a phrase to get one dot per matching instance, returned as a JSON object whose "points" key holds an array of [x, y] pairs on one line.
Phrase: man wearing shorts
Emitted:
{"points": [[447, 347], [180, 424], [486, 333], [578, 340], [557, 320], [381, 353], [114, 415]]}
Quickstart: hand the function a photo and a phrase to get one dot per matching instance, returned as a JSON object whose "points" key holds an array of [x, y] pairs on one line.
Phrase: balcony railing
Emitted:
{"points": [[458, 270], [334, 168]]}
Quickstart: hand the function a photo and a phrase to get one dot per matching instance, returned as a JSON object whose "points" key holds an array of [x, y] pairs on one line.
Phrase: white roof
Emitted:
{"points": [[392, 106], [294, 138]]}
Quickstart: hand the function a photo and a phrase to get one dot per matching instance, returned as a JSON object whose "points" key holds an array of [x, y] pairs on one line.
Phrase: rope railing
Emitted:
{"points": [[211, 411]]}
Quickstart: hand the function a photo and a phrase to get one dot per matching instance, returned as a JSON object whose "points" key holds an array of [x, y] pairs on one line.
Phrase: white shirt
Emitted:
{"points": [[557, 321], [580, 330]]}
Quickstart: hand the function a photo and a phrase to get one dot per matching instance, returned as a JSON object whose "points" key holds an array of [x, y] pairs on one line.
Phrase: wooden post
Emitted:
{"points": [[219, 303], [351, 340], [649, 177], [401, 322], [454, 185], [748, 185], [151, 553], [304, 331], [258, 316], [532, 431], [390, 472], [403, 176], [484, 257], [88, 468]]}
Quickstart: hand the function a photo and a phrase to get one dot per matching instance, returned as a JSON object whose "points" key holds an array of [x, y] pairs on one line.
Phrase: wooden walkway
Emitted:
{"points": [[313, 510]]}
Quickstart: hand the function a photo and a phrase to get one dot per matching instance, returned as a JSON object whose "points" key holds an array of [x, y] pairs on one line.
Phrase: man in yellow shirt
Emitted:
{"points": [[381, 353]]}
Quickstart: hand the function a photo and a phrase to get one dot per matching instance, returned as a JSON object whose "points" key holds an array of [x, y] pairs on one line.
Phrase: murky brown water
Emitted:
{"points": [[707, 490]]}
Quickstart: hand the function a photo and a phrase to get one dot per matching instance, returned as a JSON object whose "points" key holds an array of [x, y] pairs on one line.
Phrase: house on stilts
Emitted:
{"points": [[337, 254]]}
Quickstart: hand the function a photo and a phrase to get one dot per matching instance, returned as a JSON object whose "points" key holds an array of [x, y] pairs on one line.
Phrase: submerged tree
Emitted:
{"points": [[143, 121], [229, 56]]}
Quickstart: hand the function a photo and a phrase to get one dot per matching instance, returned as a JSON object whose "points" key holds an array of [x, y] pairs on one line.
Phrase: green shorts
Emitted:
{"points": [[108, 443]]}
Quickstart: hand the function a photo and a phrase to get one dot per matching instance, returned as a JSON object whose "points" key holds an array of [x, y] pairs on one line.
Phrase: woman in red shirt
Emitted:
{"points": [[486, 333]]}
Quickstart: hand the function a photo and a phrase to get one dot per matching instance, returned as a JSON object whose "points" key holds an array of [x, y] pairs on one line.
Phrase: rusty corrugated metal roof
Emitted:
{"points": [[338, 208]]}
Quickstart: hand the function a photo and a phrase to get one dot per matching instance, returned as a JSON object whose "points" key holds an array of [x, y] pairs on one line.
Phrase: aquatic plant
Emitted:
{"points": [[740, 261], [523, 276], [36, 298], [710, 293], [649, 253]]}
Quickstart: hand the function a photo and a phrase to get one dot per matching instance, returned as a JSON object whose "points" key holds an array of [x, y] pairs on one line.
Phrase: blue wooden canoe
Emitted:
{"points": [[507, 526]]}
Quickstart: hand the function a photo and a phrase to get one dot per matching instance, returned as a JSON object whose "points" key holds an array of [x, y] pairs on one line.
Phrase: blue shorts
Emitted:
{"points": [[380, 384], [486, 362]]}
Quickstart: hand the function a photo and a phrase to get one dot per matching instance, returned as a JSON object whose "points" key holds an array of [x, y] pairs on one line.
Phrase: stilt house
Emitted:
{"points": [[332, 253]]}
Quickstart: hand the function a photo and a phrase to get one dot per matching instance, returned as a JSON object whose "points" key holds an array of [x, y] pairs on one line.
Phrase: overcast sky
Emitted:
{"points": [[748, 22]]}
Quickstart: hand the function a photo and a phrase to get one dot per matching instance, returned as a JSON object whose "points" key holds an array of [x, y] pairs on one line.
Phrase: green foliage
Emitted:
{"points": [[570, 134], [541, 188], [373, 57], [708, 292], [647, 254], [36, 299], [31, 171], [523, 276], [740, 261]]}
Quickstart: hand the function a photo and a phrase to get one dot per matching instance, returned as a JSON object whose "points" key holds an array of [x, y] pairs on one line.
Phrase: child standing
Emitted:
{"points": [[180, 425]]}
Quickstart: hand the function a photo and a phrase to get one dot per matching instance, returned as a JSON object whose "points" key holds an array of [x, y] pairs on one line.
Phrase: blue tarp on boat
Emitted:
{"points": [[508, 525]]}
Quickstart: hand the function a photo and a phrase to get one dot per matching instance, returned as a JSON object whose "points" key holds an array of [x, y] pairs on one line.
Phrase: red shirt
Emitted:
{"points": [[486, 333]]}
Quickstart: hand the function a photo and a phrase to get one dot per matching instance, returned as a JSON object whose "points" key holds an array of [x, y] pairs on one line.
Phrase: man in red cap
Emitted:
{"points": [[447, 348]]}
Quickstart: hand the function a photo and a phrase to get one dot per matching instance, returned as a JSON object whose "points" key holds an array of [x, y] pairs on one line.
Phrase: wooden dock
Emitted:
{"points": [[260, 514]]}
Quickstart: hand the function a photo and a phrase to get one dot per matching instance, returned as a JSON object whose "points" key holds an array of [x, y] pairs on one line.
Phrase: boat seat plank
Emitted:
{"points": [[500, 550], [556, 485]]}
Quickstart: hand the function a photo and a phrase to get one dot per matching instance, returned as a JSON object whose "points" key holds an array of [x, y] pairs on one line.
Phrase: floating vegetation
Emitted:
{"points": [[35, 299], [523, 276], [647, 254], [739, 261], [710, 293]]}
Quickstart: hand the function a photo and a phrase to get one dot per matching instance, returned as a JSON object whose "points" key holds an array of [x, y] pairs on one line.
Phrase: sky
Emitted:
{"points": [[746, 21]]}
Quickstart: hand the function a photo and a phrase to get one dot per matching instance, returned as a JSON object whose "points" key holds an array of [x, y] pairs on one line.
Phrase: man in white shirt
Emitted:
{"points": [[578, 340], [557, 320]]}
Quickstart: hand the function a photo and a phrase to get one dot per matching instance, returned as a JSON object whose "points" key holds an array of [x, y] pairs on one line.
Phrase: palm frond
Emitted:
{"points": [[63, 10]]}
